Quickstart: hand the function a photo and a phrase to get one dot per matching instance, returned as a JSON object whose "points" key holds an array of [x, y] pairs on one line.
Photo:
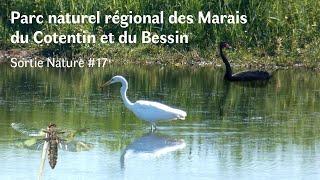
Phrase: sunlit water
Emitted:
{"points": [[233, 130]]}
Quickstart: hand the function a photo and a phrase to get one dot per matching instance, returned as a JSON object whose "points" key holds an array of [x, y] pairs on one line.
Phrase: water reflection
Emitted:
{"points": [[232, 130], [150, 145]]}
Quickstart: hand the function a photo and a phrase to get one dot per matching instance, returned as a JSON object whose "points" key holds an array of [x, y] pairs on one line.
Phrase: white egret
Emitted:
{"points": [[147, 110]]}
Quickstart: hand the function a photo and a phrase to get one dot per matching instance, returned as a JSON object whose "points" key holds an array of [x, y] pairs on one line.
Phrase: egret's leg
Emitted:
{"points": [[153, 127]]}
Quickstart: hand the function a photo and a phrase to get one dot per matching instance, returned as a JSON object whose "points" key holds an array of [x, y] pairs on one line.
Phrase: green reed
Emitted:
{"points": [[274, 26]]}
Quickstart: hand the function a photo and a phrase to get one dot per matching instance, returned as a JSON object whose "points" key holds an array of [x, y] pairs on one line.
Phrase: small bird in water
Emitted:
{"points": [[149, 111], [241, 76]]}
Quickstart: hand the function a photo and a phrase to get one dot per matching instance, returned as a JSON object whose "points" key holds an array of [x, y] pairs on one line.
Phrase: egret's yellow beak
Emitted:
{"points": [[106, 84]]}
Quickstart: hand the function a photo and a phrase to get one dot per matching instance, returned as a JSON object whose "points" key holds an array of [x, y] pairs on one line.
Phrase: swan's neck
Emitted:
{"points": [[226, 63], [123, 91]]}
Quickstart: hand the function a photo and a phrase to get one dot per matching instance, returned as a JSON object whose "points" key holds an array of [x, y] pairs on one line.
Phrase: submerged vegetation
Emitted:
{"points": [[277, 32]]}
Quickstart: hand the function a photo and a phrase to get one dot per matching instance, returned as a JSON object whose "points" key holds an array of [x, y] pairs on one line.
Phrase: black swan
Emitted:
{"points": [[241, 76]]}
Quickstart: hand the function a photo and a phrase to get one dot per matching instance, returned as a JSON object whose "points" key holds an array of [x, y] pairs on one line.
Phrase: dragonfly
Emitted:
{"points": [[51, 139]]}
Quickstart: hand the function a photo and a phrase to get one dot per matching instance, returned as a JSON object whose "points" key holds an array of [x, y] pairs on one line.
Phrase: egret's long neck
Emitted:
{"points": [[227, 64], [123, 91]]}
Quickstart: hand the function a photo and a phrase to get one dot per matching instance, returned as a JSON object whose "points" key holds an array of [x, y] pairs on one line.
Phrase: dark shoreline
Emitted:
{"points": [[6, 55]]}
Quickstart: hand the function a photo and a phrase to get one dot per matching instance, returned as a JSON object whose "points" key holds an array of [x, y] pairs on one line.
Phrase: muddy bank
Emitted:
{"points": [[5, 55], [177, 59]]}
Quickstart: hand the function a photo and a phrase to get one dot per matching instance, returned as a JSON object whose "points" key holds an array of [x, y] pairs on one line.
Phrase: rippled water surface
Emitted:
{"points": [[233, 130]]}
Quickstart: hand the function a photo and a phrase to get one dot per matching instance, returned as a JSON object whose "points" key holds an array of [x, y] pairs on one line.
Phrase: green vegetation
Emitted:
{"points": [[278, 32], [285, 111]]}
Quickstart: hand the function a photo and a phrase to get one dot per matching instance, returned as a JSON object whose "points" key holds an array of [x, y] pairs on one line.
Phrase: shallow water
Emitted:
{"points": [[233, 130]]}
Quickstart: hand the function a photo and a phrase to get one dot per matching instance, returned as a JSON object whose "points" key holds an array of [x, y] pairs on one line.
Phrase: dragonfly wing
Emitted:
{"points": [[26, 131], [76, 146]]}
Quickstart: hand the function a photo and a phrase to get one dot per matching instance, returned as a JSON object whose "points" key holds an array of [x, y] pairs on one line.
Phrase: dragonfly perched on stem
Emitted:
{"points": [[51, 138]]}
